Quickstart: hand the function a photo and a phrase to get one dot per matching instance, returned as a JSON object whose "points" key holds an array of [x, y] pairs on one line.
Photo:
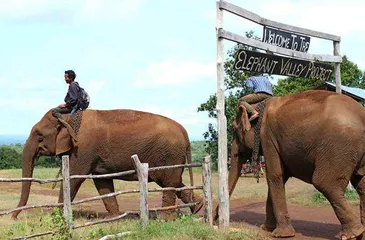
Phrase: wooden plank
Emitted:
{"points": [[222, 129], [265, 46], [266, 22], [117, 236], [142, 173], [336, 52], [252, 61], [40, 181], [185, 205], [67, 209], [30, 207], [207, 190], [105, 220], [33, 235], [113, 175]]}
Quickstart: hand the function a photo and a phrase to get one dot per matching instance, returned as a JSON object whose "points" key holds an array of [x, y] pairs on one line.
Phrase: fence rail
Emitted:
{"points": [[141, 169], [110, 175]]}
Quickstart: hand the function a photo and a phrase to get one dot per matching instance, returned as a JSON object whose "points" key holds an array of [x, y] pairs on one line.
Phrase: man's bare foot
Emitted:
{"points": [[254, 116]]}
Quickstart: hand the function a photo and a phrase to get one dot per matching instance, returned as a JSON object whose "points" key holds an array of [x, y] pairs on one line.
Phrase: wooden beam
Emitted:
{"points": [[119, 174], [266, 22], [142, 173], [222, 129], [265, 46], [67, 208], [336, 52], [207, 183]]}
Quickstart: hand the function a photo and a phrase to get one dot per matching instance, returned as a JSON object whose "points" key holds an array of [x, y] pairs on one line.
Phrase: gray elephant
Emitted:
{"points": [[316, 136], [103, 141]]}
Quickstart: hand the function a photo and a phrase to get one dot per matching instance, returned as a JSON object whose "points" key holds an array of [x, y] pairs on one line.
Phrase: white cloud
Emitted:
{"points": [[334, 17], [67, 10], [171, 72], [108, 10], [27, 103], [188, 116]]}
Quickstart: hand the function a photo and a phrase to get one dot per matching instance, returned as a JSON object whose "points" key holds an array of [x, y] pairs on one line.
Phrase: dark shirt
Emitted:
{"points": [[72, 94]]}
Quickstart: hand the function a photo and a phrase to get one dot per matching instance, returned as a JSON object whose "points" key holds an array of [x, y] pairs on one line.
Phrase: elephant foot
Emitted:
{"points": [[195, 209], [111, 215], [268, 227], [357, 232], [283, 231], [168, 215]]}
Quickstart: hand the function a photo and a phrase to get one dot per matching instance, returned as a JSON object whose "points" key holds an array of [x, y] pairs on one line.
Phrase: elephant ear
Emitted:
{"points": [[246, 125], [65, 138]]}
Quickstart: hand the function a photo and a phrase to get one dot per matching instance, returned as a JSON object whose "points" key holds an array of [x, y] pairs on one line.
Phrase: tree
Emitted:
{"points": [[351, 76], [9, 157], [234, 84], [235, 88]]}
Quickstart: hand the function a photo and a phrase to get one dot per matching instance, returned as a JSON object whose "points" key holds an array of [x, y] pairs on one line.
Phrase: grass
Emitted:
{"points": [[351, 196], [185, 227]]}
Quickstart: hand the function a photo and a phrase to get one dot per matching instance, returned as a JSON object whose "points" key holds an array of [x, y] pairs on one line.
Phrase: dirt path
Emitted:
{"points": [[309, 222]]}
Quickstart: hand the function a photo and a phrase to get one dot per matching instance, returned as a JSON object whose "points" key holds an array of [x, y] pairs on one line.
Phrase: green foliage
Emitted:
{"points": [[319, 198], [58, 225], [235, 88], [352, 195], [198, 150], [10, 156], [234, 82], [351, 76]]}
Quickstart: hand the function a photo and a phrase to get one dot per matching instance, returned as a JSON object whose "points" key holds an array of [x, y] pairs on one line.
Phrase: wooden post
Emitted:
{"points": [[336, 52], [142, 173], [67, 209], [222, 128], [207, 189]]}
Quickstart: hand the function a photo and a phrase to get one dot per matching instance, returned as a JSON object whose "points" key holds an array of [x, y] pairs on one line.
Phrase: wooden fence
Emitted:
{"points": [[142, 172], [221, 35]]}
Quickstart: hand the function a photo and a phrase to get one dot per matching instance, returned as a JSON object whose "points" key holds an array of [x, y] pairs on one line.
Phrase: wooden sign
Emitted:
{"points": [[273, 64], [287, 40]]}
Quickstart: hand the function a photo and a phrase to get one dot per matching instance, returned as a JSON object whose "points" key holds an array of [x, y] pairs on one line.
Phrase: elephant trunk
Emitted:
{"points": [[28, 159], [234, 173]]}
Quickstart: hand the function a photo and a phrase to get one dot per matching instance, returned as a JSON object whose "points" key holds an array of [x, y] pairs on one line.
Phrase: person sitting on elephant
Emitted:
{"points": [[71, 98], [262, 89]]}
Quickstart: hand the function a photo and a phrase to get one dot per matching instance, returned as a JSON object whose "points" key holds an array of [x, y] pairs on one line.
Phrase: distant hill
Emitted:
{"points": [[12, 139]]}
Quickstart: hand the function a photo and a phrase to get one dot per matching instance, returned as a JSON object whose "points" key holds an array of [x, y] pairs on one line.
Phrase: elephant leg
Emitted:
{"points": [[270, 222], [169, 179], [275, 180], [188, 196], [168, 200], [334, 189], [359, 184], [233, 175], [106, 186], [74, 188]]}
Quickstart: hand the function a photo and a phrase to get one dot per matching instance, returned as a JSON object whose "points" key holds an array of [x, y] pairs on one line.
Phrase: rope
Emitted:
{"points": [[75, 121], [256, 149]]}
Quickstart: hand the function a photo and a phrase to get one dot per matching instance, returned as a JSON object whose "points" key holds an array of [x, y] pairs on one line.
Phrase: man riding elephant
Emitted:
{"points": [[262, 89]]}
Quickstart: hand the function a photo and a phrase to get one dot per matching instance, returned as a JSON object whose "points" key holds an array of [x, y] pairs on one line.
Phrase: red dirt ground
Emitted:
{"points": [[309, 222]]}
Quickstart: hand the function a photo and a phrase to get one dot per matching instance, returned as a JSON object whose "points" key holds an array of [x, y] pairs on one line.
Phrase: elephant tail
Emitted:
{"points": [[188, 160]]}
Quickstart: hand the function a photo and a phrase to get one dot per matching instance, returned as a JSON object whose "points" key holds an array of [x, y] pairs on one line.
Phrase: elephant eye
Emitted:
{"points": [[39, 136]]}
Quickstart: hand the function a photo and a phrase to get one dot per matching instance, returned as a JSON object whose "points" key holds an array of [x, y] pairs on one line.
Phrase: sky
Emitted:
{"points": [[157, 56]]}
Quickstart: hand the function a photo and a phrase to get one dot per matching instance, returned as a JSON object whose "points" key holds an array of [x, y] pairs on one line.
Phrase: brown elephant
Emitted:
{"points": [[316, 136], [103, 141]]}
